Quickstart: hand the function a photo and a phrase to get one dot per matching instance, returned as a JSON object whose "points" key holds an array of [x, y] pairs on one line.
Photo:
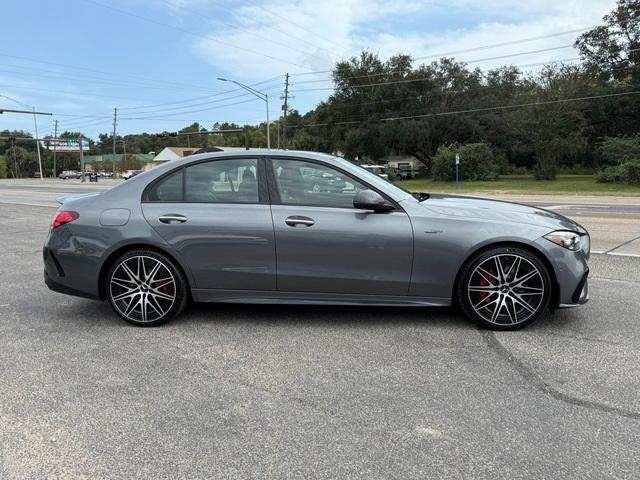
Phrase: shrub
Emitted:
{"points": [[613, 150], [478, 161], [3, 167], [627, 172]]}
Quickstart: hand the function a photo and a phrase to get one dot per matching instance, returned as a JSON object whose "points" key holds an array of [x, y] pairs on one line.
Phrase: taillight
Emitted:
{"points": [[65, 216]]}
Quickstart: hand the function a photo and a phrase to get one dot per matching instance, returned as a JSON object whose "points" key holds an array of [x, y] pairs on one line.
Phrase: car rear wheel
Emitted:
{"points": [[504, 288], [146, 288]]}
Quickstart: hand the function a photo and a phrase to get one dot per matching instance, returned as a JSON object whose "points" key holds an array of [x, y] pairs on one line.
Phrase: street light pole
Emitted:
{"points": [[262, 96]]}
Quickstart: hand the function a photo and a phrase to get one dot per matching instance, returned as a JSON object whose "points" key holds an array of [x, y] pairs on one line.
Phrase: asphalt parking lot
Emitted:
{"points": [[239, 391]]}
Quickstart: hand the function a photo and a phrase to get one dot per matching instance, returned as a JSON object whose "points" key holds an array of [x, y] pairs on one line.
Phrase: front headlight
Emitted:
{"points": [[569, 240]]}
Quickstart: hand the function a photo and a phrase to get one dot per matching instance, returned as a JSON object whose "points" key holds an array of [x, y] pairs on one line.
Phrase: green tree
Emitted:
{"points": [[3, 166], [478, 162], [610, 49], [22, 163]]}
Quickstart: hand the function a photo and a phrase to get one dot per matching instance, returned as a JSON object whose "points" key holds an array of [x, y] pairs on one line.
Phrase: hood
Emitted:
{"points": [[68, 198], [497, 210]]}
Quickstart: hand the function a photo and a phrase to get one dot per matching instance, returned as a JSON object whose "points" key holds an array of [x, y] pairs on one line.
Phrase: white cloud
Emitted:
{"points": [[313, 35]]}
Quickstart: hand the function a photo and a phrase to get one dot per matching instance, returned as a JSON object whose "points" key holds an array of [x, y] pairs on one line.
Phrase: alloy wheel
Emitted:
{"points": [[142, 289], [506, 289]]}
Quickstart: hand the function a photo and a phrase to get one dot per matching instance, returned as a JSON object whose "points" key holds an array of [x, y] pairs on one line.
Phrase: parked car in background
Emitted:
{"points": [[69, 174], [379, 170], [130, 173], [403, 174], [405, 171], [319, 181], [248, 227]]}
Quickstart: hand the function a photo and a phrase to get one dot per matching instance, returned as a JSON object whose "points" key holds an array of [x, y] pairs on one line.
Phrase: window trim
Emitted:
{"points": [[261, 177], [275, 194]]}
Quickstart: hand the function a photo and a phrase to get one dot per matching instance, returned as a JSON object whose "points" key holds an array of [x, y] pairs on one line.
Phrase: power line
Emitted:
{"points": [[474, 49], [182, 107], [101, 72], [257, 20], [432, 93], [475, 110], [503, 44], [199, 110], [268, 80], [54, 74], [236, 26], [189, 32], [479, 60]]}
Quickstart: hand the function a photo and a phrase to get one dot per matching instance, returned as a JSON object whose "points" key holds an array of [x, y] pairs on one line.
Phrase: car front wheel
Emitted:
{"points": [[146, 288], [504, 288]]}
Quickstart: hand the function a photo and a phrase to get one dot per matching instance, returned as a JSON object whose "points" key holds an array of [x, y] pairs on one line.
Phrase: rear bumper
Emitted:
{"points": [[61, 288], [58, 278]]}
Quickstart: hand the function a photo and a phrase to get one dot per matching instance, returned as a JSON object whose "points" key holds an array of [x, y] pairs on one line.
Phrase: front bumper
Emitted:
{"points": [[580, 295], [571, 274]]}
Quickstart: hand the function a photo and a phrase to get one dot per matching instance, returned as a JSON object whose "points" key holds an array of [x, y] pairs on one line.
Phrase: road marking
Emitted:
{"points": [[615, 254], [610, 251], [575, 207], [29, 204]]}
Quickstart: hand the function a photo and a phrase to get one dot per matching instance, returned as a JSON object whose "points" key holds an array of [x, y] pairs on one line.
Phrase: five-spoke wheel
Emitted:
{"points": [[146, 288], [504, 288]]}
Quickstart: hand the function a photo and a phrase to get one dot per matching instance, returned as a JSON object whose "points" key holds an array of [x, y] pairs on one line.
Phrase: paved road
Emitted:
{"points": [[305, 392]]}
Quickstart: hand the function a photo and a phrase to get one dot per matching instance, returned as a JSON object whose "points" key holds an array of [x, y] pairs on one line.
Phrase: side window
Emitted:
{"points": [[307, 183], [169, 189], [222, 181]]}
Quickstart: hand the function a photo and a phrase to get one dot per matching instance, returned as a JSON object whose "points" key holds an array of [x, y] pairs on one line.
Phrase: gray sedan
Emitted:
{"points": [[248, 227]]}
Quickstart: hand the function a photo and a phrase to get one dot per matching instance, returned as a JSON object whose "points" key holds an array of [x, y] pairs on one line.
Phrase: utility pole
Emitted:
{"points": [[55, 145], [82, 179], [113, 159], [285, 109], [15, 158], [262, 96], [35, 122]]}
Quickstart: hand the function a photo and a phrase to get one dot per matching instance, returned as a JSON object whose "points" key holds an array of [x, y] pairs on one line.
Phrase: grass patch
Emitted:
{"points": [[563, 184]]}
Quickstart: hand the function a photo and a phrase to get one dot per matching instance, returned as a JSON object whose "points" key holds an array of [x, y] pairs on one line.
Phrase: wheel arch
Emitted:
{"points": [[555, 287], [106, 265]]}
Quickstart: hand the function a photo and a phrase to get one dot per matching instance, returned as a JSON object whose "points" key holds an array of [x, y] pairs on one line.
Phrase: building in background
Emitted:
{"points": [[168, 154]]}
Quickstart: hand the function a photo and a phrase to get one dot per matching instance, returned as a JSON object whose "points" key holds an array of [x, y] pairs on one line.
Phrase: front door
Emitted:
{"points": [[325, 245], [218, 221]]}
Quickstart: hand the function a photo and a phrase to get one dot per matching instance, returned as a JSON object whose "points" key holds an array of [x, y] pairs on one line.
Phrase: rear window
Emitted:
{"points": [[169, 189]]}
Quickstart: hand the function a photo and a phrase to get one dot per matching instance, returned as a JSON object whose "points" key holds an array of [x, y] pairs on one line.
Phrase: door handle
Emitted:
{"points": [[296, 220], [172, 218]]}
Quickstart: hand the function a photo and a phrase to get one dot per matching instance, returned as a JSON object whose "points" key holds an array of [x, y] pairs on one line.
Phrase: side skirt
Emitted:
{"points": [[304, 298]]}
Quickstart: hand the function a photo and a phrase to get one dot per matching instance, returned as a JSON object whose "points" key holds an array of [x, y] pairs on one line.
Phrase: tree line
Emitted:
{"points": [[560, 117]]}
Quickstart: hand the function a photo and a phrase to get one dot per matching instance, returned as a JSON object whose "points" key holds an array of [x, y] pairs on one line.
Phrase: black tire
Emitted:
{"points": [[489, 281], [151, 293]]}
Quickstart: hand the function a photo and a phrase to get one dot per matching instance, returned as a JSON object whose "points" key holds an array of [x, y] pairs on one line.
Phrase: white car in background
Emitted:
{"points": [[380, 170], [130, 173]]}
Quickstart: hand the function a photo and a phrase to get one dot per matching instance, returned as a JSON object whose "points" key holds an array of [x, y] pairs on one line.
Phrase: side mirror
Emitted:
{"points": [[370, 200]]}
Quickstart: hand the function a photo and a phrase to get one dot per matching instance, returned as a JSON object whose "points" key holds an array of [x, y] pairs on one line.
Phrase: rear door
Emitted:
{"points": [[215, 214], [324, 244]]}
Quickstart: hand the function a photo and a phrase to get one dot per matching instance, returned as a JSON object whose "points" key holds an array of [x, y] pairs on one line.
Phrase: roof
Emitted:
{"points": [[237, 152], [174, 153]]}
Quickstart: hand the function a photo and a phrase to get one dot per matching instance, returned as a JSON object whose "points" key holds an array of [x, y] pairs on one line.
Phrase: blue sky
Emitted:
{"points": [[157, 61]]}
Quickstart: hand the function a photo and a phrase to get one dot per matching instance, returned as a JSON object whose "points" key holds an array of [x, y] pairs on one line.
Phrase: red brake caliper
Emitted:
{"points": [[484, 282]]}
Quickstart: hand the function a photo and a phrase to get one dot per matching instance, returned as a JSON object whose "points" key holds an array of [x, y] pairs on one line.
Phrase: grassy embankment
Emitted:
{"points": [[523, 184]]}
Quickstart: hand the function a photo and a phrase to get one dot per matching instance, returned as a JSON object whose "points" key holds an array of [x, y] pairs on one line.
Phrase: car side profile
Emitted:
{"points": [[254, 227]]}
